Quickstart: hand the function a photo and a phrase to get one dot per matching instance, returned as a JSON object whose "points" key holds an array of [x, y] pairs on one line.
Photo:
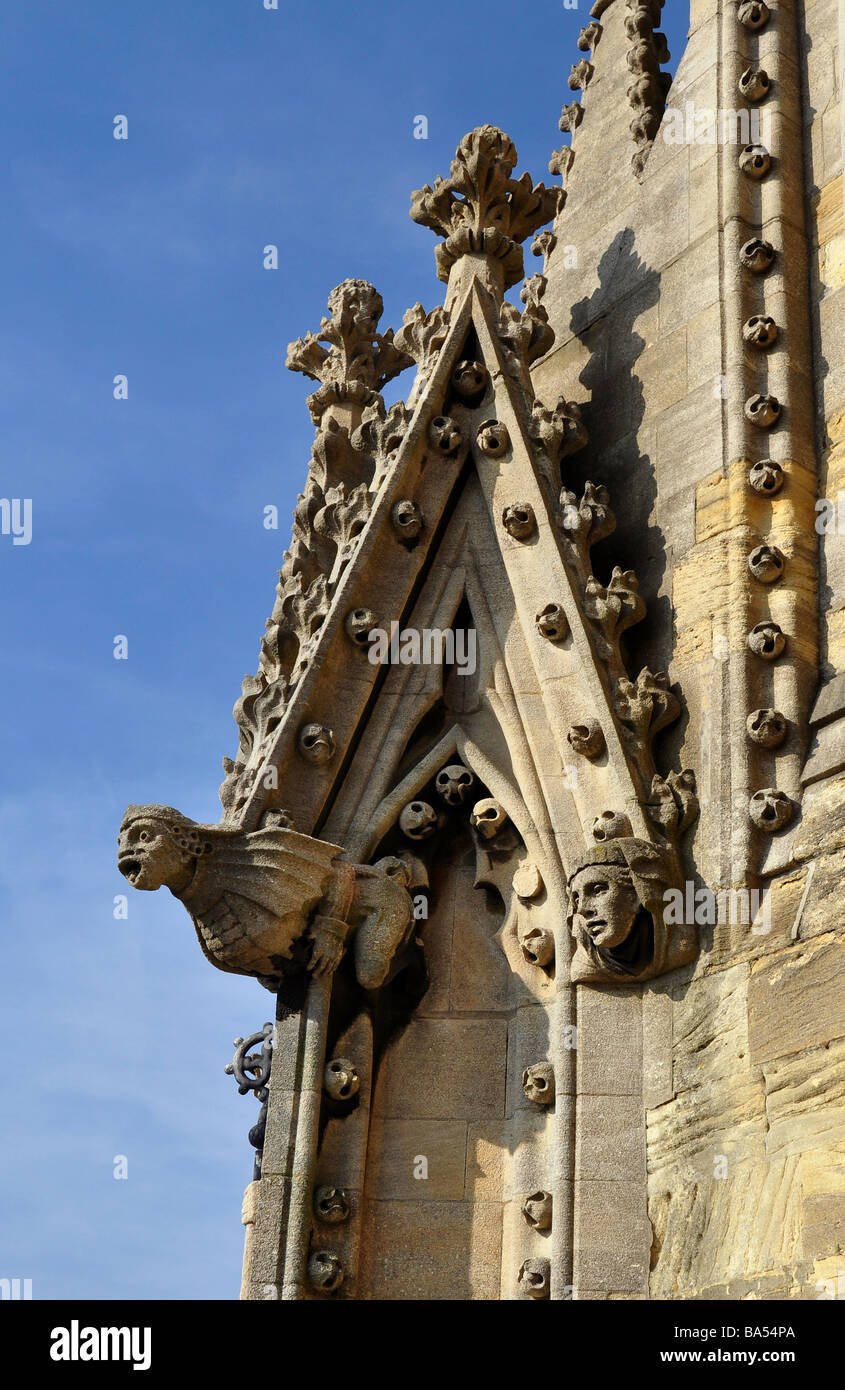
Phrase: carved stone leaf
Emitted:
{"points": [[341, 520], [527, 335], [334, 458], [557, 431], [359, 359], [297, 616], [423, 335], [616, 607], [589, 520], [647, 704], [480, 207], [380, 435]]}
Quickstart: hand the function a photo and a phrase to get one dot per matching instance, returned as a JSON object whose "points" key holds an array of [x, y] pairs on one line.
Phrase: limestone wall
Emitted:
{"points": [[726, 1082]]}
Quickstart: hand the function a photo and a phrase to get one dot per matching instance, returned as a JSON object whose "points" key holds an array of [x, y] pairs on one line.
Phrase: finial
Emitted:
{"points": [[359, 359], [482, 211]]}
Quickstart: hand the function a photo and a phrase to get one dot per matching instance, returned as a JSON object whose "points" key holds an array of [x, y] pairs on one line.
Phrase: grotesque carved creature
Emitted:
{"points": [[488, 817], [469, 380], [406, 519], [617, 897], [763, 411], [519, 521], [316, 743], [757, 255], [444, 435], [754, 84], [753, 13], [325, 1271], [418, 820], [252, 895], [755, 161], [493, 438], [766, 563], [537, 1210], [359, 623], [760, 330], [586, 738], [552, 623], [538, 946], [767, 727], [766, 476], [611, 825]]}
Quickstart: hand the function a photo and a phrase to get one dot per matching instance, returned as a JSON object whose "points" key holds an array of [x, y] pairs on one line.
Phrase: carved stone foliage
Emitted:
{"points": [[571, 117], [269, 901], [557, 431], [528, 335], [560, 161], [480, 207], [589, 36], [646, 705], [647, 92], [617, 913], [353, 452], [347, 355], [580, 74]]}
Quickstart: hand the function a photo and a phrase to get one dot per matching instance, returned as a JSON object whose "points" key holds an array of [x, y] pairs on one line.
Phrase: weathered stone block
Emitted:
{"points": [[797, 1000], [432, 1251], [417, 1159], [444, 1068]]}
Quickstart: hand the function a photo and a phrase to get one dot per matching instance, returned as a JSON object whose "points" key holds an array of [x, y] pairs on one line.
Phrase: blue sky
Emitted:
{"points": [[144, 257]]}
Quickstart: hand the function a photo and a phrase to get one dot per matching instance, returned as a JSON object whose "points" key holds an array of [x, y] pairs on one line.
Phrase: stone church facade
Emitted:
{"points": [[536, 826]]}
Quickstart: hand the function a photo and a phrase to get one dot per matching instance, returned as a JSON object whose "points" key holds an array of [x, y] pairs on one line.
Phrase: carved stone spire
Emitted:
{"points": [[483, 212]]}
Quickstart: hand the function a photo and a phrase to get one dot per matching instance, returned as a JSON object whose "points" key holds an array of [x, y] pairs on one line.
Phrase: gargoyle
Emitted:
{"points": [[253, 894]]}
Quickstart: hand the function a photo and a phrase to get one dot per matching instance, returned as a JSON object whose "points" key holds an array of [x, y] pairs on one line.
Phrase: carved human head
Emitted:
{"points": [[158, 847], [615, 913], [604, 903]]}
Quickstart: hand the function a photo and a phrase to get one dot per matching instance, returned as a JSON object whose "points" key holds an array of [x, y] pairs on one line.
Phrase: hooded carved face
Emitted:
{"points": [[604, 904], [615, 912], [150, 856]]}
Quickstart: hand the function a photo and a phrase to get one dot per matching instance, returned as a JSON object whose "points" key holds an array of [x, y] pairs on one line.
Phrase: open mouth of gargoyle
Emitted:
{"points": [[130, 868]]}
